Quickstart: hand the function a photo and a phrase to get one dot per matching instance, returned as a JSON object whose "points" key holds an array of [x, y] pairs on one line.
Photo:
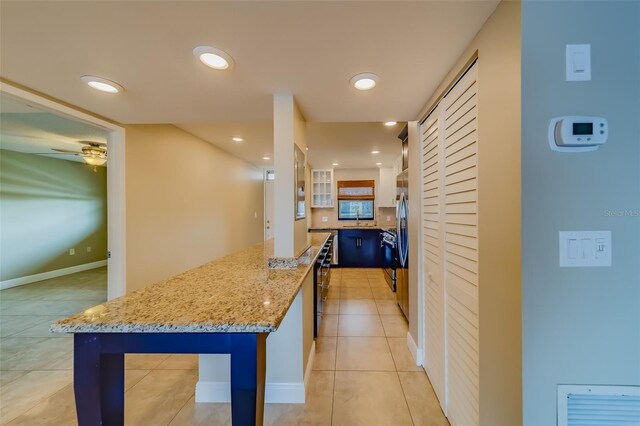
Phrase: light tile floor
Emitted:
{"points": [[363, 373]]}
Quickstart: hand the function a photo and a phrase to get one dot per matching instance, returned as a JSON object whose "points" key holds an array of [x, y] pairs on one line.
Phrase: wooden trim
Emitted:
{"points": [[357, 184]]}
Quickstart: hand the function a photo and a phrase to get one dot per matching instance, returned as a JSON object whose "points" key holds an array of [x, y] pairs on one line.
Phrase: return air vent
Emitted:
{"points": [[598, 405]]}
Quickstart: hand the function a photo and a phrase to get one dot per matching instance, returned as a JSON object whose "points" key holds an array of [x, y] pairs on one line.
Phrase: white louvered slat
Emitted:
{"points": [[460, 189], [433, 250]]}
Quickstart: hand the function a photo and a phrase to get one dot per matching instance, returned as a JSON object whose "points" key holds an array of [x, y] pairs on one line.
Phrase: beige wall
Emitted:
{"points": [[332, 213], [49, 206], [188, 202], [498, 44]]}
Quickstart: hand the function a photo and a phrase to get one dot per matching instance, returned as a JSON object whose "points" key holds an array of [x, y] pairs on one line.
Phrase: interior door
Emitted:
{"points": [[433, 251], [268, 210]]}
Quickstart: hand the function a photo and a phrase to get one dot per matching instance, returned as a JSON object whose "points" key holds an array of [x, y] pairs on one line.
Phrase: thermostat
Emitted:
{"points": [[577, 133]]}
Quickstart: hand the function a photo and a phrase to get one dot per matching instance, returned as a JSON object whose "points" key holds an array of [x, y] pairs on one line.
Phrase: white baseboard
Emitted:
{"points": [[309, 369], [274, 393], [51, 274], [413, 348]]}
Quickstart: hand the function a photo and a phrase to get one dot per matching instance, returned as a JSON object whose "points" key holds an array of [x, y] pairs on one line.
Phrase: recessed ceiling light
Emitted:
{"points": [[213, 58], [266, 158], [364, 81], [378, 164], [102, 84], [375, 152], [237, 139], [390, 123], [335, 164]]}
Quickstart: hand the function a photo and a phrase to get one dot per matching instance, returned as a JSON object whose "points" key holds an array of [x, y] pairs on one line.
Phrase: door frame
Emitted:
{"points": [[265, 182], [116, 213]]}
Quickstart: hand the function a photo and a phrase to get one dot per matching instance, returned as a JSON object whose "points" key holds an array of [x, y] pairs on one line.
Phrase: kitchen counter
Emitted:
{"points": [[237, 293]]}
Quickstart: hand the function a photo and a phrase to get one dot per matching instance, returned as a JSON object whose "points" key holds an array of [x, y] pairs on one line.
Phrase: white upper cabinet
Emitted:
{"points": [[387, 188], [321, 188]]}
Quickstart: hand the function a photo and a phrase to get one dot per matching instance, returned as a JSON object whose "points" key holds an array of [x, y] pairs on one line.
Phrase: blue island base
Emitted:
{"points": [[98, 370]]}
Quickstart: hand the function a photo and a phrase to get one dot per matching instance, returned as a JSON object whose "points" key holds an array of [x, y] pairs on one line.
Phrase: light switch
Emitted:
{"points": [[573, 248], [585, 248], [578, 62], [325, 219]]}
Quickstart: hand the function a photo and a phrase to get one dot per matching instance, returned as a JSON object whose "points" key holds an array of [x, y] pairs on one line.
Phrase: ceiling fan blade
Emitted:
{"points": [[65, 151], [55, 153]]}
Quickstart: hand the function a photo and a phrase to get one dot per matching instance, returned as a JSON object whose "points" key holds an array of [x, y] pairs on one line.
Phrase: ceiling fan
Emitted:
{"points": [[93, 153]]}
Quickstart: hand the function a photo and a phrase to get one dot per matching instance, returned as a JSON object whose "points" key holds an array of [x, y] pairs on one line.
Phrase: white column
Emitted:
{"points": [[289, 130], [283, 149]]}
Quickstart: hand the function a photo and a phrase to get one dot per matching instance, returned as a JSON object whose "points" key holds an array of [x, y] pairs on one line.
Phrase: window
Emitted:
{"points": [[355, 209]]}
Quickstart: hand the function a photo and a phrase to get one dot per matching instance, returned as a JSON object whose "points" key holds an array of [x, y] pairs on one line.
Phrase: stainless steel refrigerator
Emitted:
{"points": [[402, 245]]}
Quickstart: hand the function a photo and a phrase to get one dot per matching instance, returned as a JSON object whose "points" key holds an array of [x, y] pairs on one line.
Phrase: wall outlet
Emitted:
{"points": [[72, 252], [388, 218], [255, 215], [88, 249], [325, 219]]}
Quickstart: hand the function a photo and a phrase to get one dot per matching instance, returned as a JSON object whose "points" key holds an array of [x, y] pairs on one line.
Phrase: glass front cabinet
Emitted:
{"points": [[322, 188]]}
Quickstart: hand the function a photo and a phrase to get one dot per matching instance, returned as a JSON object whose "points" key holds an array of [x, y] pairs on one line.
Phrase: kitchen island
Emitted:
{"points": [[227, 306]]}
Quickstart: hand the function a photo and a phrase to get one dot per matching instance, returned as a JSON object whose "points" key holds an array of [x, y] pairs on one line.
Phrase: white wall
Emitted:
{"points": [[288, 130], [188, 202], [580, 325]]}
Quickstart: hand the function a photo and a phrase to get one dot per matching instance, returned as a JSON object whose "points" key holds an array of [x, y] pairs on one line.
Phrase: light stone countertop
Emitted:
{"points": [[237, 293]]}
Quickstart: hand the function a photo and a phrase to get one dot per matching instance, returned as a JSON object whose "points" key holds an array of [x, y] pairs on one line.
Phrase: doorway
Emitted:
{"points": [[269, 178], [115, 138]]}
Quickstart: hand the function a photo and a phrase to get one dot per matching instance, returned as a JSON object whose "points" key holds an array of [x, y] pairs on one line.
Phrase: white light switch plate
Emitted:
{"points": [[325, 219], [585, 248], [578, 58]]}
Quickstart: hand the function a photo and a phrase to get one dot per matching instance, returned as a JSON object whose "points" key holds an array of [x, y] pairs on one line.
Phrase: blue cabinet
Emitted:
{"points": [[359, 248]]}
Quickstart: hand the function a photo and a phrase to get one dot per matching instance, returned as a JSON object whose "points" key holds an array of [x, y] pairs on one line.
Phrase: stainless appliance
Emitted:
{"points": [[402, 244], [389, 256], [334, 247], [322, 278], [334, 242], [402, 213]]}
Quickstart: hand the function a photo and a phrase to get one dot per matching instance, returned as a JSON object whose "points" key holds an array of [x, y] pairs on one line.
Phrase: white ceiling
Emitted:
{"points": [[350, 144], [27, 129], [309, 48]]}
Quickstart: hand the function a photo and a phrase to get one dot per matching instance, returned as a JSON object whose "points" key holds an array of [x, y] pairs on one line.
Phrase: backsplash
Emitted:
{"points": [[381, 215]]}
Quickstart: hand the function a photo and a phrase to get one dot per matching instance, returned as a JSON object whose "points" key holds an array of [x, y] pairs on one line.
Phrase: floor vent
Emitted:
{"points": [[584, 405]]}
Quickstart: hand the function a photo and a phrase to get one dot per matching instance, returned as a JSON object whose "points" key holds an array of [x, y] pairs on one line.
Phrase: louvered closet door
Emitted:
{"points": [[433, 251], [461, 249]]}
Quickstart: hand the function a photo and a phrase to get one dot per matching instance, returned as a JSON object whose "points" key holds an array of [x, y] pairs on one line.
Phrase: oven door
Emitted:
{"points": [[389, 261]]}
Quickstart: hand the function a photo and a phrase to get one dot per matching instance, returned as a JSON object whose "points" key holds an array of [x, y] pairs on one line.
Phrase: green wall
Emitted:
{"points": [[580, 325], [48, 206]]}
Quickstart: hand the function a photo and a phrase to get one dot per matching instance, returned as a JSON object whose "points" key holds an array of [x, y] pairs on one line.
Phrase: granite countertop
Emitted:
{"points": [[339, 227], [237, 293]]}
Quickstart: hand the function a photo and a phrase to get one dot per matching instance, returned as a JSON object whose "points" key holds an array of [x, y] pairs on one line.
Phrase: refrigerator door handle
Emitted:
{"points": [[403, 231]]}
